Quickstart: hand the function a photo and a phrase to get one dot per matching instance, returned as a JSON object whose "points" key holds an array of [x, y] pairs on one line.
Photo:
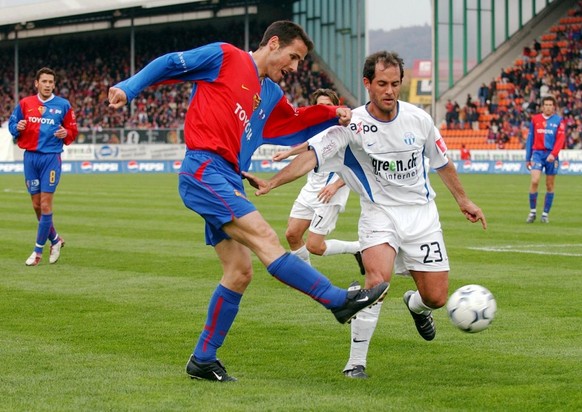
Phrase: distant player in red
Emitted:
{"points": [[235, 94], [465, 153], [41, 125], [546, 138]]}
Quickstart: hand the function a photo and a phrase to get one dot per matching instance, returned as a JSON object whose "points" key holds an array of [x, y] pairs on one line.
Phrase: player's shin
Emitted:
{"points": [[363, 327], [44, 225], [222, 311], [294, 272], [336, 247]]}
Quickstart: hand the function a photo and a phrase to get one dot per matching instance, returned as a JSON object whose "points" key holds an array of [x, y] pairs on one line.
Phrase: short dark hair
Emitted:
{"points": [[286, 31], [325, 92], [45, 70], [550, 98], [387, 58]]}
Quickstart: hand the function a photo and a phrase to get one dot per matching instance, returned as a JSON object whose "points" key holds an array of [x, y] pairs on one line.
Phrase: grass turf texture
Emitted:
{"points": [[111, 325]]}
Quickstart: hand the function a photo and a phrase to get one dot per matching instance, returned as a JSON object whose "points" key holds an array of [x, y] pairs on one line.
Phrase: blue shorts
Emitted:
{"points": [[42, 171], [538, 162], [210, 186]]}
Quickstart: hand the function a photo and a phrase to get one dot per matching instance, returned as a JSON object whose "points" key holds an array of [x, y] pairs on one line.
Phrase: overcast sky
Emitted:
{"points": [[393, 14]]}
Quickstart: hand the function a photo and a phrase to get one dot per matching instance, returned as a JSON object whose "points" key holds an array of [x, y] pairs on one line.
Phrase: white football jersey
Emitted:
{"points": [[384, 161]]}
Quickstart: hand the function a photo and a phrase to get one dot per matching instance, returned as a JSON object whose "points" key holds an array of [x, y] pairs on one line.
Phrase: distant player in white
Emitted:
{"points": [[382, 156], [318, 205]]}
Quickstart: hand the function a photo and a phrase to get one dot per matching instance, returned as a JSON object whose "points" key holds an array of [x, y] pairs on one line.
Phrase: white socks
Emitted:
{"points": [[303, 254], [416, 304], [363, 327], [336, 247]]}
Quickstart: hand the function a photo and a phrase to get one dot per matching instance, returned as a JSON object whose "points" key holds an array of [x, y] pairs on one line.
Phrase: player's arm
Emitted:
{"points": [[14, 125], [450, 178], [202, 63], [277, 157], [560, 139], [300, 166], [329, 191], [288, 125], [70, 125], [529, 144]]}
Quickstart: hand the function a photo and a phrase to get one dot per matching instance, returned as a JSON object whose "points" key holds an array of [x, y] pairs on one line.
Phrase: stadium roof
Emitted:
{"points": [[35, 18], [26, 11]]}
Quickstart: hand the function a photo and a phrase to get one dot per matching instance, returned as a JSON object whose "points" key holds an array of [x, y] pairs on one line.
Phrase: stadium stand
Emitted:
{"points": [[89, 64], [553, 65]]}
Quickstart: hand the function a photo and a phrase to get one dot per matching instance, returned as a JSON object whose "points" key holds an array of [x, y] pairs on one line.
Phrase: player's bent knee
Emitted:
{"points": [[293, 237], [316, 249], [435, 302]]}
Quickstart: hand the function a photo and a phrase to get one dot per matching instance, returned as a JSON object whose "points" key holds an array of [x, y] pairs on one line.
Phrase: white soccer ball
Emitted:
{"points": [[471, 308]]}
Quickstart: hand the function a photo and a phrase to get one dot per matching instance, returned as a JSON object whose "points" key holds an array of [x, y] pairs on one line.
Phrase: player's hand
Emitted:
{"points": [[344, 115], [550, 158], [473, 213], [61, 133], [528, 165], [261, 185], [277, 157], [326, 193], [21, 125], [116, 97]]}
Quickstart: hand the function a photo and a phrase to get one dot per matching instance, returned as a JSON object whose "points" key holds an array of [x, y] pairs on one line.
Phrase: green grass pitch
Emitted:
{"points": [[111, 325]]}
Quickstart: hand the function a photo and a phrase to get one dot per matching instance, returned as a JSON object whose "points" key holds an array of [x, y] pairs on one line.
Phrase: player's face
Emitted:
{"points": [[384, 91], [325, 100], [283, 60], [548, 108], [45, 85]]}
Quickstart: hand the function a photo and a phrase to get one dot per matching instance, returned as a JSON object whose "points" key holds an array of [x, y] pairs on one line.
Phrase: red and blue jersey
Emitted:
{"points": [[43, 119], [278, 122], [545, 134], [226, 91], [230, 112]]}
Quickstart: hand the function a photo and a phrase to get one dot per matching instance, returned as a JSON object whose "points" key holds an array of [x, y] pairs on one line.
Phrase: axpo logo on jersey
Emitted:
{"points": [[364, 128]]}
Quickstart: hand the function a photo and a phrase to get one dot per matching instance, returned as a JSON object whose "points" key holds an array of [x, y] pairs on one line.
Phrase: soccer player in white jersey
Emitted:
{"points": [[318, 205], [382, 155]]}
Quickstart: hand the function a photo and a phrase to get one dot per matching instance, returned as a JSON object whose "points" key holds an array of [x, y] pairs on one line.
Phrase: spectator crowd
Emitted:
{"points": [[551, 66], [87, 65]]}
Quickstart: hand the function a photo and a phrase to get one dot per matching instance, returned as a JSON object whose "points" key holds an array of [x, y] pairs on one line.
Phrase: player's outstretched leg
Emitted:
{"points": [[344, 304], [423, 321]]}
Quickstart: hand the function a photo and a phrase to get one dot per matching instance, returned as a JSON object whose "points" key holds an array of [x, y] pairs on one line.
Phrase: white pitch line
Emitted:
{"points": [[511, 249]]}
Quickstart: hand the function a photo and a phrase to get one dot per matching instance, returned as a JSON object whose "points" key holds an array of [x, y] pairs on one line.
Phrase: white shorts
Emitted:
{"points": [[323, 218], [413, 231]]}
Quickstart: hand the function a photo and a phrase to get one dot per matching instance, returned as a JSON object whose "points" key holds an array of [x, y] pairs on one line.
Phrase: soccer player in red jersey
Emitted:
{"points": [[41, 125], [545, 139]]}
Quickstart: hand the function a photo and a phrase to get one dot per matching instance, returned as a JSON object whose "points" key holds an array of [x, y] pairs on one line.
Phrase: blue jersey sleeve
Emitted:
{"points": [[529, 143], [202, 63], [15, 117]]}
